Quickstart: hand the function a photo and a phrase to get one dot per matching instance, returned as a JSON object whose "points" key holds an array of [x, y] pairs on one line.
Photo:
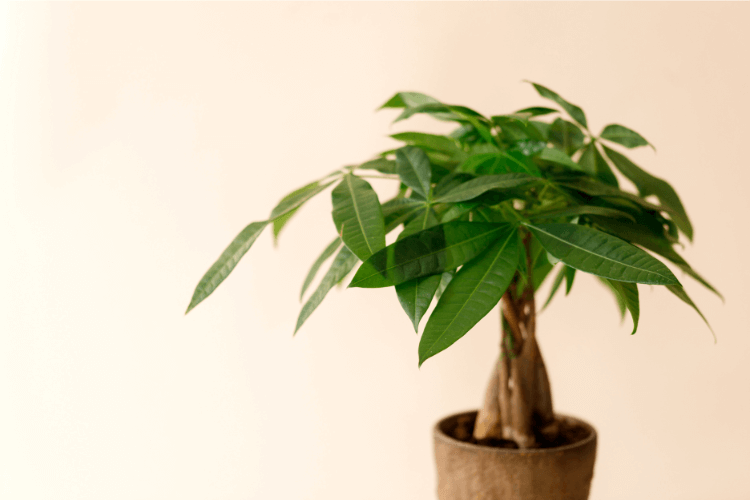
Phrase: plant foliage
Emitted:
{"points": [[466, 201]]}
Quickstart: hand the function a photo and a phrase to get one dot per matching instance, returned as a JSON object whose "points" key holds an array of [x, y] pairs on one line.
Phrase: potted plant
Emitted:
{"points": [[486, 213]]}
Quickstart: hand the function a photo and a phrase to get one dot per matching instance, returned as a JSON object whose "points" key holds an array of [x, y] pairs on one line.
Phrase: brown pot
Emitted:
{"points": [[472, 472]]}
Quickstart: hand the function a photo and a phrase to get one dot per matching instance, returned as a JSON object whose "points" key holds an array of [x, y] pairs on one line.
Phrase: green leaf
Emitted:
{"points": [[430, 141], [570, 274], [616, 294], [343, 263], [558, 157], [595, 188], [555, 286], [436, 110], [566, 136], [416, 295], [457, 210], [683, 296], [432, 251], [477, 287], [408, 100], [499, 163], [382, 165], [592, 162], [641, 235], [279, 223], [445, 279], [358, 216], [475, 187], [574, 111], [598, 253], [535, 111], [628, 293], [584, 210], [329, 250], [515, 128], [421, 222], [624, 136], [226, 262], [413, 167], [647, 185], [401, 205], [296, 198]]}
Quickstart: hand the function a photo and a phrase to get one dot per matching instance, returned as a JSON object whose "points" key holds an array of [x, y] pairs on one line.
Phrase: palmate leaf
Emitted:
{"points": [[499, 162], [329, 250], [574, 111], [683, 296], [431, 141], [584, 210], [290, 203], [413, 167], [642, 236], [628, 294], [226, 262], [598, 253], [432, 251], [416, 295], [557, 157], [422, 221], [566, 136], [620, 301], [475, 187], [382, 165], [592, 162], [358, 216], [624, 136], [555, 286], [595, 188], [343, 263], [647, 185], [475, 290]]}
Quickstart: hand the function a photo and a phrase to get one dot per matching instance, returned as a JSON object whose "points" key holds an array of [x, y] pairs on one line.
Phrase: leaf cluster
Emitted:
{"points": [[500, 199]]}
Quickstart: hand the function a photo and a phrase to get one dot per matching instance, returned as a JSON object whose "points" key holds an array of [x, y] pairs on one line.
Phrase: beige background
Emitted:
{"points": [[138, 139]]}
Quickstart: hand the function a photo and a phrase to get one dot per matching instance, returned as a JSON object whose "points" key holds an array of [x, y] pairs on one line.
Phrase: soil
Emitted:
{"points": [[462, 429]]}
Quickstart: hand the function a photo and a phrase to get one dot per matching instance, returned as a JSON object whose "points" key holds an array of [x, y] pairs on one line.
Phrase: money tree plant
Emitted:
{"points": [[485, 214]]}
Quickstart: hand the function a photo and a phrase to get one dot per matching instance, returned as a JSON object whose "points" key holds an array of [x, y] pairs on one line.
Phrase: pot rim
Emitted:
{"points": [[439, 434]]}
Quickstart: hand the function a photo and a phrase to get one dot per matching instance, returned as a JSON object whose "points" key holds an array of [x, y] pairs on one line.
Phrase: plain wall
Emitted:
{"points": [[139, 139]]}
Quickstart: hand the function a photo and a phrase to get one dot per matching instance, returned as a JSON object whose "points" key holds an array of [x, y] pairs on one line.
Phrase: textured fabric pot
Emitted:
{"points": [[471, 472]]}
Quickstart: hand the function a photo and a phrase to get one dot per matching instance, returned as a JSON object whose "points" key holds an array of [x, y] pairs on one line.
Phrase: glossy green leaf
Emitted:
{"points": [[432, 251], [475, 290], [535, 111], [566, 136], [558, 157], [422, 221], [279, 223], [431, 141], [515, 128], [408, 100], [296, 198], [595, 188], [574, 111], [436, 110], [624, 136], [628, 292], [570, 274], [475, 187], [457, 210], [401, 205], [327, 253], [342, 264], [445, 279], [499, 163], [358, 216], [647, 185], [598, 253], [226, 262], [683, 296], [555, 286], [416, 295], [593, 163], [584, 210], [616, 294], [413, 168], [382, 165], [641, 235]]}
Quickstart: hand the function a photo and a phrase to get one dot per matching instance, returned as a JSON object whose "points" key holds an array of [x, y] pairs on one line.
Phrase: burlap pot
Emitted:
{"points": [[471, 472]]}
